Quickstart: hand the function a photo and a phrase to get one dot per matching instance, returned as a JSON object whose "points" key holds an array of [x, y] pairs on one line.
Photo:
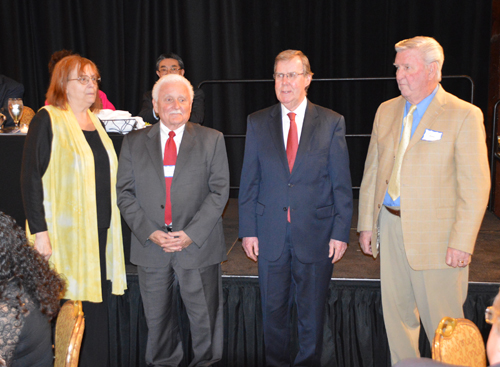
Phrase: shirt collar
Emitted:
{"points": [[423, 104], [299, 111], [165, 130]]}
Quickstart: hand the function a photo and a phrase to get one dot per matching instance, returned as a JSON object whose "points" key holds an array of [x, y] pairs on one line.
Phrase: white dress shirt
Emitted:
{"points": [[299, 119], [177, 138]]}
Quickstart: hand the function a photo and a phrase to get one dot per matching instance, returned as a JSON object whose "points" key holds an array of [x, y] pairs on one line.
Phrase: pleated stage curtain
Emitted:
{"points": [[354, 333]]}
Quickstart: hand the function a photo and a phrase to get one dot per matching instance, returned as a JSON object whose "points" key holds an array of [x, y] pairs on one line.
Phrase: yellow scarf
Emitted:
{"points": [[71, 212]]}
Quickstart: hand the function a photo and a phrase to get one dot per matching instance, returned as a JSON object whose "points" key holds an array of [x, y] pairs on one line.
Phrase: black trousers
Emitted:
{"points": [[95, 344]]}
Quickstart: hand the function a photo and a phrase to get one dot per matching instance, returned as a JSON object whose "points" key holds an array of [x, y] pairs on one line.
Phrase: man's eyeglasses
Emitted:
{"points": [[290, 76], [84, 79], [490, 314], [172, 70]]}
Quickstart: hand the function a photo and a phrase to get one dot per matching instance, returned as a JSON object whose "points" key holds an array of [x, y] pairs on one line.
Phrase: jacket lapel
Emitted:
{"points": [[397, 123], [308, 127], [430, 116], [276, 133], [153, 146], [187, 143]]}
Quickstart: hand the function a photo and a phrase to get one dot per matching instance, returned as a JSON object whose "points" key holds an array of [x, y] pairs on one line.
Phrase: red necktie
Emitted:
{"points": [[292, 144], [169, 159]]}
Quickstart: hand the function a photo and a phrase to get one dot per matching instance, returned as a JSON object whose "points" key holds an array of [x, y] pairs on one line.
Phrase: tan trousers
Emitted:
{"points": [[409, 295]]}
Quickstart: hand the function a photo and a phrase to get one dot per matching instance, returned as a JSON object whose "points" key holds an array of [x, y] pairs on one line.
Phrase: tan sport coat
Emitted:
{"points": [[444, 183]]}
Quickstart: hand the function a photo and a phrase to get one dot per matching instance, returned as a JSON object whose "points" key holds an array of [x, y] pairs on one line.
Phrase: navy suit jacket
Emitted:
{"points": [[318, 191]]}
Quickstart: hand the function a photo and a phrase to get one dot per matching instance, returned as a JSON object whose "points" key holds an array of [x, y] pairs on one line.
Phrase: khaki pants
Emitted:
{"points": [[409, 295]]}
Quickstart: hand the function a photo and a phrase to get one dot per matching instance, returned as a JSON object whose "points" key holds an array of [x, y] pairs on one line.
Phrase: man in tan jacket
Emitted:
{"points": [[423, 197]]}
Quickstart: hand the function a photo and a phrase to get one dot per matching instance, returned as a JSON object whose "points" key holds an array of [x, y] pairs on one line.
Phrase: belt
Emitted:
{"points": [[167, 228], [395, 212]]}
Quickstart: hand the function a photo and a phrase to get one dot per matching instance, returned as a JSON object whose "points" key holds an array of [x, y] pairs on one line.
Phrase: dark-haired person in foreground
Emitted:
{"points": [[30, 292], [172, 64]]}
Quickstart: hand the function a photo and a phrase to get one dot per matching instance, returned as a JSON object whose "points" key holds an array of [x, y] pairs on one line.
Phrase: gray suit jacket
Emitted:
{"points": [[200, 189]]}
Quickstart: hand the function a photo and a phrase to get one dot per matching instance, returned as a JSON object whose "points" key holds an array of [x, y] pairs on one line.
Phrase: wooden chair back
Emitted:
{"points": [[27, 116], [70, 325], [458, 342]]}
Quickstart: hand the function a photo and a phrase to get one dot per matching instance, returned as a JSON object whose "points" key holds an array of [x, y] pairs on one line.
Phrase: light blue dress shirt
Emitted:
{"points": [[417, 116]]}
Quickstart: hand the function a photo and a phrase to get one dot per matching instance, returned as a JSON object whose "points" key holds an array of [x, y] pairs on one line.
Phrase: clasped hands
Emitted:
{"points": [[171, 241]]}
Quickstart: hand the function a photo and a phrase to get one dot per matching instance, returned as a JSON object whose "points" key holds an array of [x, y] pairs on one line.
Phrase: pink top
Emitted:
{"points": [[106, 104]]}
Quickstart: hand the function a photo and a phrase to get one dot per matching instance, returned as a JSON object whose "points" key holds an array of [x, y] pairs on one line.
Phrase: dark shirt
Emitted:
{"points": [[36, 158], [197, 110], [25, 339], [9, 88], [102, 178]]}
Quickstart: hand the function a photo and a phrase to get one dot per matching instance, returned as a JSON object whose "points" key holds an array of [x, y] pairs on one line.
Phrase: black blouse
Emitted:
{"points": [[36, 158], [25, 338]]}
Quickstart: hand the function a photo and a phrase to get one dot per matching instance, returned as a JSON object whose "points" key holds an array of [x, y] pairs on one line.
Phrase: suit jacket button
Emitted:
{"points": [[163, 206], [290, 185], [285, 209]]}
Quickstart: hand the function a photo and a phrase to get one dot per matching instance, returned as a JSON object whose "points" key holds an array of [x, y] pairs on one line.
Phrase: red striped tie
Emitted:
{"points": [[169, 159]]}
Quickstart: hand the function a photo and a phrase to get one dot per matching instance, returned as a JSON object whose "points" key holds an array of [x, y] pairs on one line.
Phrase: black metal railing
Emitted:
{"points": [[253, 81], [494, 155]]}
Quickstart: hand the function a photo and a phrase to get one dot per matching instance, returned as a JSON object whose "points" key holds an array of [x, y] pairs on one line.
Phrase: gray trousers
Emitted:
{"points": [[201, 292]]}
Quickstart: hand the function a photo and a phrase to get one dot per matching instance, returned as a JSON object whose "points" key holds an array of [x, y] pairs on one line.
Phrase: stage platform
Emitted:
{"points": [[484, 268], [354, 332]]}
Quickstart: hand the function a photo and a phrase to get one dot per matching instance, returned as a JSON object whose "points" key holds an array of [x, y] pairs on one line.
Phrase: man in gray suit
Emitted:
{"points": [[174, 206]]}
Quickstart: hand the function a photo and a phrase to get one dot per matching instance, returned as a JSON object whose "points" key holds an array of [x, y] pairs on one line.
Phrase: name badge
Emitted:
{"points": [[431, 135], [169, 171]]}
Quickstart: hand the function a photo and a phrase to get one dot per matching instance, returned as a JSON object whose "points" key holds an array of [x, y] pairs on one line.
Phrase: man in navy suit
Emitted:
{"points": [[295, 209]]}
